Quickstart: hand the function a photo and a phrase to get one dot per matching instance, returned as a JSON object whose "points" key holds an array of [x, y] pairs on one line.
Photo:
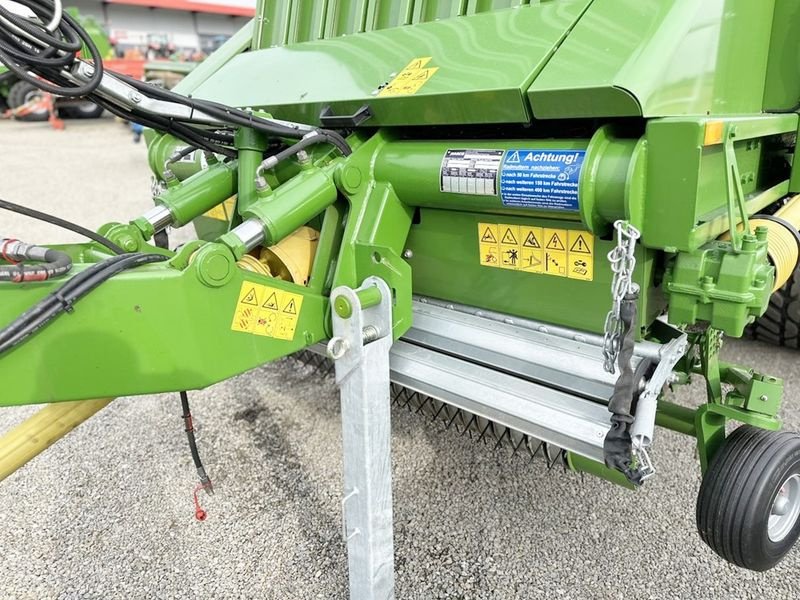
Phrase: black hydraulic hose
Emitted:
{"points": [[307, 141], [235, 116], [64, 298], [188, 134], [35, 214], [53, 300], [52, 263], [45, 54], [189, 429], [41, 58]]}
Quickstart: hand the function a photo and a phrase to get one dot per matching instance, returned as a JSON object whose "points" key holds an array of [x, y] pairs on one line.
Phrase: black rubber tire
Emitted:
{"points": [[18, 94], [780, 325], [86, 110], [737, 494]]}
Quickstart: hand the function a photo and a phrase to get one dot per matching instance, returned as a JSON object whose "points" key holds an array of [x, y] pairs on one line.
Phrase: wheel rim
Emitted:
{"points": [[785, 509], [31, 96]]}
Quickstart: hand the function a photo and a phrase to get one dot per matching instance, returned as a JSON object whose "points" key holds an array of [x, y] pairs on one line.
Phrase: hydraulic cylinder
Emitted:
{"points": [[199, 193]]}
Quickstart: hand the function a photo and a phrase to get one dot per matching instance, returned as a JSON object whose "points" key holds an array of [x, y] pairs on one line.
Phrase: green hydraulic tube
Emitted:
{"points": [[280, 212], [607, 191], [250, 145], [200, 193]]}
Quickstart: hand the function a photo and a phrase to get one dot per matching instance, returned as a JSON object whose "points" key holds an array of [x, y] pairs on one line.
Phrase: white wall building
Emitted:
{"points": [[188, 24]]}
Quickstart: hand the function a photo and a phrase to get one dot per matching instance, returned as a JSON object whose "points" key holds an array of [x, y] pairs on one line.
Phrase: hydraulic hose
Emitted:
{"points": [[51, 263], [30, 48], [53, 220], [64, 298]]}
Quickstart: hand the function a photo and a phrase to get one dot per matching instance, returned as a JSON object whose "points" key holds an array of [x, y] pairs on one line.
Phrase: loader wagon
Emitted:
{"points": [[526, 219]]}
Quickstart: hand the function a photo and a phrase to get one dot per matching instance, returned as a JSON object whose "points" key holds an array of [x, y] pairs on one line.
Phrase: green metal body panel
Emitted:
{"points": [[445, 264], [686, 191], [659, 58], [583, 61], [291, 22], [782, 89], [485, 63]]}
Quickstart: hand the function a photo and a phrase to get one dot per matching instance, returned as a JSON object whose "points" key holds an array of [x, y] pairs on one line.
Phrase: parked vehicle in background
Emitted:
{"points": [[16, 93]]}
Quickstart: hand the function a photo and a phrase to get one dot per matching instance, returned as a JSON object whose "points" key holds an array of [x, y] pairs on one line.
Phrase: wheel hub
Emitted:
{"points": [[785, 509]]}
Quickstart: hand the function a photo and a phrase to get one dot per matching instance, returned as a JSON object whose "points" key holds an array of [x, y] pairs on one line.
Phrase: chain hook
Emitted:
{"points": [[622, 260]]}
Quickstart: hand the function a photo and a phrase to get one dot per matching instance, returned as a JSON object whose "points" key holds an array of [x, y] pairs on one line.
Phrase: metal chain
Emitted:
{"points": [[623, 262]]}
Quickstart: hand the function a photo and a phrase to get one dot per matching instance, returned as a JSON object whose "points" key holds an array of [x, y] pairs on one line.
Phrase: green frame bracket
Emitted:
{"points": [[736, 198], [754, 400], [711, 421]]}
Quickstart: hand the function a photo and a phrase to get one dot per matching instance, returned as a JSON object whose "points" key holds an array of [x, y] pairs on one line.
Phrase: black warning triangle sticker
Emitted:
{"points": [[272, 302], [531, 241], [580, 246], [488, 237], [555, 243], [290, 309], [250, 298], [508, 237]]}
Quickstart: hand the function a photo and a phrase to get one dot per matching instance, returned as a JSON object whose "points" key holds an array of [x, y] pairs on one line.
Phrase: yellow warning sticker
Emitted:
{"points": [[487, 242], [531, 255], [266, 311], [509, 246], [410, 79], [560, 252], [581, 255], [555, 252], [224, 211]]}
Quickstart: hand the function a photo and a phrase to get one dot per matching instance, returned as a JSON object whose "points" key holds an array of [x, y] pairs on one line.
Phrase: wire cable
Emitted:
{"points": [[35, 214], [65, 296]]}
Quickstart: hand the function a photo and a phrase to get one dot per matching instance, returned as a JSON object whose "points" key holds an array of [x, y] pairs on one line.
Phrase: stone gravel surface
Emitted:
{"points": [[107, 512]]}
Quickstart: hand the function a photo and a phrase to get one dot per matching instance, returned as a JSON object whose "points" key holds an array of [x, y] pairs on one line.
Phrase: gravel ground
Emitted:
{"points": [[107, 512]]}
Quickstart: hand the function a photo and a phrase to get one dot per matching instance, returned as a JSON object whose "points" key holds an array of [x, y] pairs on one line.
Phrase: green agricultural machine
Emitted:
{"points": [[527, 219]]}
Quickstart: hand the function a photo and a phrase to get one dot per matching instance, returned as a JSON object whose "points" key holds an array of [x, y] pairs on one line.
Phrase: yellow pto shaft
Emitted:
{"points": [[42, 430]]}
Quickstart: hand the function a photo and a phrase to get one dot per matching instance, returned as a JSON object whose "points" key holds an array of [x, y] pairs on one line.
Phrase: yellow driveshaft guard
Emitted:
{"points": [[42, 430]]}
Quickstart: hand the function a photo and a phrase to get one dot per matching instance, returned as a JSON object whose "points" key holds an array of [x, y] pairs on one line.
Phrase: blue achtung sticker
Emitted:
{"points": [[546, 179]]}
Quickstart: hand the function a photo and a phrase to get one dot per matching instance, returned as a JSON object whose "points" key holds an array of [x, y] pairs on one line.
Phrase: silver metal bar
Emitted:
{"points": [[545, 381], [545, 413], [159, 217], [571, 365], [645, 420], [125, 95], [362, 373], [643, 349], [251, 232]]}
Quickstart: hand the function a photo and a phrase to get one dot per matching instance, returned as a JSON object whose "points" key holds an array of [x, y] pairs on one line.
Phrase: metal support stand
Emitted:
{"points": [[362, 327]]}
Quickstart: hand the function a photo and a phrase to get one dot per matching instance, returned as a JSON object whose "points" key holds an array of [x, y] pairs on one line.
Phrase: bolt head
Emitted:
{"points": [[343, 307]]}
